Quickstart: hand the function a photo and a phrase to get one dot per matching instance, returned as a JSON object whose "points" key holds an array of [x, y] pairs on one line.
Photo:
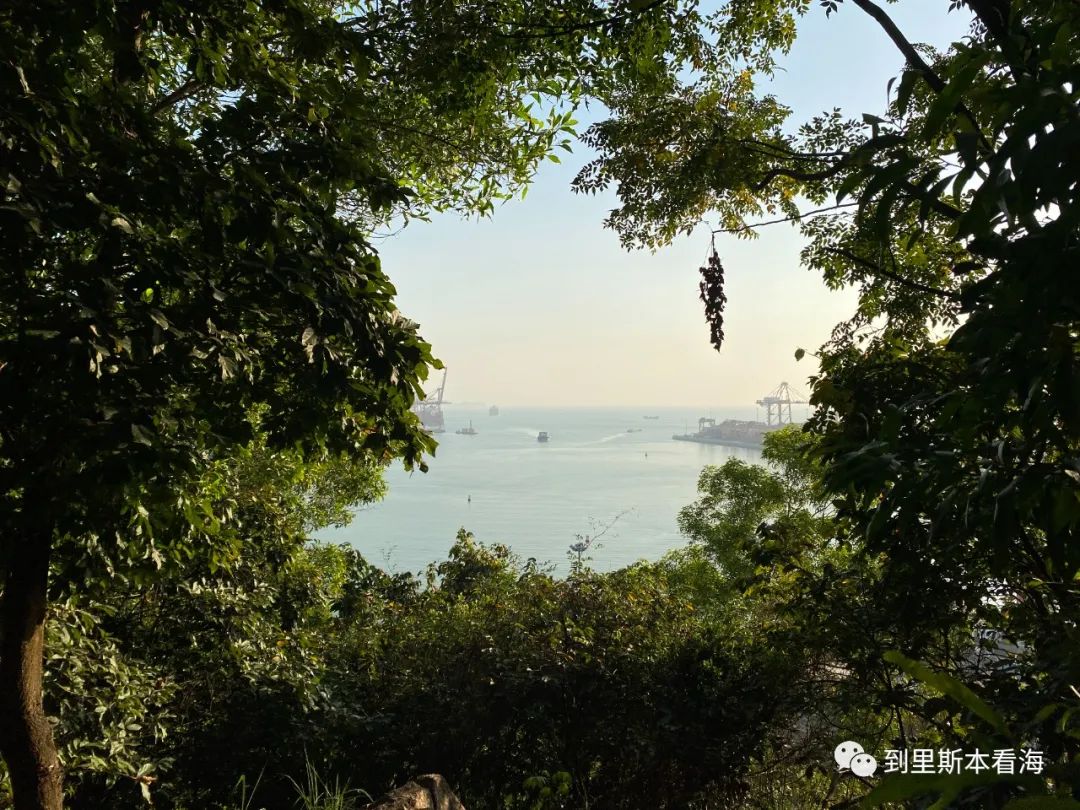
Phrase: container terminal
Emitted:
{"points": [[744, 433]]}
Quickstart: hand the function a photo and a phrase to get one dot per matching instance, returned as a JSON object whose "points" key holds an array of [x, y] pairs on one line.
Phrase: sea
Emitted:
{"points": [[604, 470]]}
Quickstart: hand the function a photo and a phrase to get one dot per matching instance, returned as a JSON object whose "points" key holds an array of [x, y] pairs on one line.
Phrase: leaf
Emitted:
{"points": [[22, 79], [902, 786], [800, 354], [142, 435], [949, 97], [949, 686], [848, 185], [228, 366], [122, 224], [906, 87], [1043, 803]]}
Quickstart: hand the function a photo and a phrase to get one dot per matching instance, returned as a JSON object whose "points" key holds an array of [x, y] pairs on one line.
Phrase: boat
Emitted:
{"points": [[650, 417], [543, 437], [469, 431], [493, 410], [633, 430]]}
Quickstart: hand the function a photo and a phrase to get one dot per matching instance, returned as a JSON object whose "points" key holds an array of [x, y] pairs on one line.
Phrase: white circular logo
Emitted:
{"points": [[845, 751], [863, 765]]}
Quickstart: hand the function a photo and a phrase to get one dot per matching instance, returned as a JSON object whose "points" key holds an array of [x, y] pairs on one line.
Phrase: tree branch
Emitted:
{"points": [[785, 152], [186, 90], [806, 177], [554, 31], [916, 61], [939, 205], [905, 47], [795, 218], [889, 274]]}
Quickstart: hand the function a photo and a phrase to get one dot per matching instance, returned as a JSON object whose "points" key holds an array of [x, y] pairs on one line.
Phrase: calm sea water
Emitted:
{"points": [[537, 497]]}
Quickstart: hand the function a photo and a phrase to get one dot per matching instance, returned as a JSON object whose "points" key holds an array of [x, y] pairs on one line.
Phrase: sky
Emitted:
{"points": [[540, 305]]}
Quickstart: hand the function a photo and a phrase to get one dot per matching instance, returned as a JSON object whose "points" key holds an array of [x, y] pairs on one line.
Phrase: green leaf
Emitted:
{"points": [[947, 100], [949, 686], [142, 435], [905, 89], [902, 786]]}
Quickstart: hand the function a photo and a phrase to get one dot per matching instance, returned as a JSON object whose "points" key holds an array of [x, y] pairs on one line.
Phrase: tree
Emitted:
{"points": [[188, 194], [949, 406], [175, 685], [767, 558], [611, 689]]}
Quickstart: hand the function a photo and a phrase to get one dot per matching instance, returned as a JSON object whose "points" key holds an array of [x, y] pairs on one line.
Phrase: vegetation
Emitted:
{"points": [[948, 418], [524, 689], [188, 196], [201, 364]]}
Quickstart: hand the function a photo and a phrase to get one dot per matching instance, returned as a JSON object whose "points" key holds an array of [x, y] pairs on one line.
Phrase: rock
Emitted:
{"points": [[427, 792]]}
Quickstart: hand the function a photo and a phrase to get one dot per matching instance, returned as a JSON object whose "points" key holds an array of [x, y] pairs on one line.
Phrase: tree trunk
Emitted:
{"points": [[26, 738]]}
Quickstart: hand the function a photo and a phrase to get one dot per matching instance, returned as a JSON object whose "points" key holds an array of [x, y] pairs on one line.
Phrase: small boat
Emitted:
{"points": [[469, 431], [493, 410], [633, 430], [543, 437], [650, 417]]}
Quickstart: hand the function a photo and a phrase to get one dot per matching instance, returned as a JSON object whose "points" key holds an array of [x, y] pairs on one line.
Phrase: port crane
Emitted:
{"points": [[777, 401], [429, 409]]}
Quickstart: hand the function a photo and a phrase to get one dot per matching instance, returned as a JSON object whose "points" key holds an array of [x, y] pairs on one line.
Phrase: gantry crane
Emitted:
{"points": [[429, 409], [783, 397]]}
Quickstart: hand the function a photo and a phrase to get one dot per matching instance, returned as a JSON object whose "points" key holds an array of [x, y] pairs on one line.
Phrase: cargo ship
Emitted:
{"points": [[493, 410], [543, 437]]}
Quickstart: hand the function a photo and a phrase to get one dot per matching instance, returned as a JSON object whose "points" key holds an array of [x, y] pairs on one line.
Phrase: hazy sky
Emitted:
{"points": [[540, 305]]}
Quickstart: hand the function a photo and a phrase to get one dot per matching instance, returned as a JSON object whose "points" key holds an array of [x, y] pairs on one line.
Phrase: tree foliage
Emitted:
{"points": [[188, 197], [948, 406]]}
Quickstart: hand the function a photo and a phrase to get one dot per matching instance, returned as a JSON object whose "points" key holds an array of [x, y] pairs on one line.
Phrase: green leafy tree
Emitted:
{"points": [[187, 195], [948, 405], [176, 685], [614, 690]]}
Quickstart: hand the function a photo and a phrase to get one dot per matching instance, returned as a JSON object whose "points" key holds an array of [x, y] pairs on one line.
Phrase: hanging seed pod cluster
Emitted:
{"points": [[712, 294]]}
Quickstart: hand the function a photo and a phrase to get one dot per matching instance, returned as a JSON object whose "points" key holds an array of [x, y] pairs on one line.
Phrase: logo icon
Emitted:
{"points": [[849, 755]]}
